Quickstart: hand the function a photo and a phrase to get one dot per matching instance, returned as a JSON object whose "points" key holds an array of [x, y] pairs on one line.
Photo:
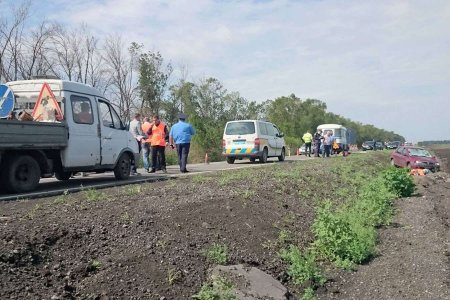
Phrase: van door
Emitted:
{"points": [[83, 147], [279, 141], [271, 139], [113, 137]]}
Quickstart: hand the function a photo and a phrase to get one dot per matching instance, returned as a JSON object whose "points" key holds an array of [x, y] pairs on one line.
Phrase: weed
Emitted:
{"points": [[302, 266], [32, 213], [308, 294], [217, 254], [399, 181], [248, 193], [125, 218], [284, 236], [341, 238], [217, 289], [173, 276], [61, 198], [96, 265], [94, 195], [133, 189]]}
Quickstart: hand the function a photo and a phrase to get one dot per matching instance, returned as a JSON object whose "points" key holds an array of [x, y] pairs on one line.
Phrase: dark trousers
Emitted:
{"points": [[158, 150], [183, 152], [317, 149], [308, 149], [327, 150], [133, 166]]}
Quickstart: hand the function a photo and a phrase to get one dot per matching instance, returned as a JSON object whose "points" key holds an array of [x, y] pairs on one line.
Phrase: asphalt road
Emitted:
{"points": [[52, 187]]}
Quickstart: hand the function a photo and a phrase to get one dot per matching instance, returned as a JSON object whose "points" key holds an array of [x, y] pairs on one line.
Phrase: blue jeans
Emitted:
{"points": [[183, 152], [327, 150], [145, 155]]}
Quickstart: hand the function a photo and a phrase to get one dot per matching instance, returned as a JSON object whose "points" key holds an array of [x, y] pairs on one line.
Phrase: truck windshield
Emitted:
{"points": [[240, 128]]}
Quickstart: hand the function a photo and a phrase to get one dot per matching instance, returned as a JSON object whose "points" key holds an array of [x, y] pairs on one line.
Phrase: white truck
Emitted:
{"points": [[90, 137]]}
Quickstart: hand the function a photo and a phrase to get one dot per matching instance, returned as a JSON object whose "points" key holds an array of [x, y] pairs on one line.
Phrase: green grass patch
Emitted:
{"points": [[217, 254], [218, 288]]}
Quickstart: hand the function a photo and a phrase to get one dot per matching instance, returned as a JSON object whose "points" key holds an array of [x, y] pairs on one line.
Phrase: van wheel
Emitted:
{"points": [[230, 160], [263, 158], [122, 168], [283, 155], [22, 174], [63, 176]]}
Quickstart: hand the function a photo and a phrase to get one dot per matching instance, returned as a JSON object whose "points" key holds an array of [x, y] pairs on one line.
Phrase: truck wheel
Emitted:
{"points": [[264, 156], [22, 174], [63, 176], [122, 168], [230, 160], [283, 155]]}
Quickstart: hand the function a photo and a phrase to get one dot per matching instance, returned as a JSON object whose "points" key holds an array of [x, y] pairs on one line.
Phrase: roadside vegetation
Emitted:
{"points": [[300, 222]]}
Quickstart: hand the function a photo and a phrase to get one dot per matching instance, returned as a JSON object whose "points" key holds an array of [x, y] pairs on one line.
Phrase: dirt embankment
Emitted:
{"points": [[148, 241]]}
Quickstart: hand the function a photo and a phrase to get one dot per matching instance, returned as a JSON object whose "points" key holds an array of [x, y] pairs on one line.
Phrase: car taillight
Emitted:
{"points": [[257, 142]]}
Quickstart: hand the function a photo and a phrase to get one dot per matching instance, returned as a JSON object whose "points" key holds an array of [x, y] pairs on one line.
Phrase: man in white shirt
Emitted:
{"points": [[136, 131]]}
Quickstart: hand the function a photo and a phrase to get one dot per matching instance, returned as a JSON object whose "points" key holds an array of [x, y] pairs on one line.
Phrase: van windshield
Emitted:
{"points": [[240, 128]]}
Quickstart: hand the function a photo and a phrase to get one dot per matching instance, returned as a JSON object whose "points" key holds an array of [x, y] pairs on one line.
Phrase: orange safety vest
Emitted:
{"points": [[145, 128], [417, 172], [158, 135]]}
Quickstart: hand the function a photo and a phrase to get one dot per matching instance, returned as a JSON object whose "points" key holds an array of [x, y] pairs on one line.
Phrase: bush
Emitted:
{"points": [[302, 266], [342, 237], [399, 181]]}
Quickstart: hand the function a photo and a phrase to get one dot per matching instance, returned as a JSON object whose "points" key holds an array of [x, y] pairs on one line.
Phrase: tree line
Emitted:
{"points": [[136, 80]]}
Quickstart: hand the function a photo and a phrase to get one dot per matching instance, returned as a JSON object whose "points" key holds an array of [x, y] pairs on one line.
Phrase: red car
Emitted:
{"points": [[414, 157]]}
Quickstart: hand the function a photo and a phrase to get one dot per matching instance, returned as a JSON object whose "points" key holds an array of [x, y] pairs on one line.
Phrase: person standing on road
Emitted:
{"points": [[317, 142], [307, 139], [159, 139], [136, 131], [146, 144], [327, 142], [181, 134]]}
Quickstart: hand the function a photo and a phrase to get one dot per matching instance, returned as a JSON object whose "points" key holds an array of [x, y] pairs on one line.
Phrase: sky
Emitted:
{"points": [[385, 63]]}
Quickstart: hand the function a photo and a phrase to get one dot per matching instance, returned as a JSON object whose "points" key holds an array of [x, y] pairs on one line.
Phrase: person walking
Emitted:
{"points": [[159, 139], [307, 139], [181, 134], [146, 144], [136, 131], [317, 142]]}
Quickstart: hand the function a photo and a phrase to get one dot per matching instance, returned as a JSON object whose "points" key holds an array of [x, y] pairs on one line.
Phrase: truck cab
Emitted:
{"points": [[89, 137]]}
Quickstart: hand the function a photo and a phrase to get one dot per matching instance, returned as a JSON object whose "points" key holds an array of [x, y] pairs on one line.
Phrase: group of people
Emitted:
{"points": [[153, 138], [319, 138]]}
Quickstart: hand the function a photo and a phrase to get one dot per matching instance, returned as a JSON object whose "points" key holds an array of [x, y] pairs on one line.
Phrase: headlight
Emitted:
{"points": [[437, 164], [417, 162]]}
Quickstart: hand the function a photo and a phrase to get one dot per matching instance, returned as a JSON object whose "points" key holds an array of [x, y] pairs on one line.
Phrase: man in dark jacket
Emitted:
{"points": [[317, 142]]}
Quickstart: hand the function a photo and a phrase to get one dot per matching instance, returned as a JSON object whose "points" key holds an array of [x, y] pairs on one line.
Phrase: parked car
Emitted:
{"points": [[414, 157], [302, 149], [367, 145], [379, 146], [252, 139], [393, 145]]}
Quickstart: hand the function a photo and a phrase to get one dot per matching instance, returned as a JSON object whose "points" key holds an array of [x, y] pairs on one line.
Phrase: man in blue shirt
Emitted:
{"points": [[181, 134]]}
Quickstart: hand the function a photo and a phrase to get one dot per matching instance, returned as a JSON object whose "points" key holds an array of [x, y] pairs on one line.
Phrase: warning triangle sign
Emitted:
{"points": [[47, 108]]}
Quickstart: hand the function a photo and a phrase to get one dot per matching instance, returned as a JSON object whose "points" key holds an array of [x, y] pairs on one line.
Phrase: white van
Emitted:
{"points": [[340, 133], [252, 139]]}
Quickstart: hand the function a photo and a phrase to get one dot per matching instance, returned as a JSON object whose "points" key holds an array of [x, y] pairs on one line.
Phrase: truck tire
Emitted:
{"points": [[22, 174], [63, 176], [230, 160], [122, 168]]}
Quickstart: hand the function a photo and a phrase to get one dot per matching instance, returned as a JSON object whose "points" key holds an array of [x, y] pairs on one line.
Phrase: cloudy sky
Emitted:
{"points": [[385, 63]]}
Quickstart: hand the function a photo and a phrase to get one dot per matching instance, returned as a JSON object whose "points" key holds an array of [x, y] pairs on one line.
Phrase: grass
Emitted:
{"points": [[32, 213], [201, 179], [218, 288], [94, 195], [217, 254], [173, 276], [134, 189], [96, 265], [125, 218]]}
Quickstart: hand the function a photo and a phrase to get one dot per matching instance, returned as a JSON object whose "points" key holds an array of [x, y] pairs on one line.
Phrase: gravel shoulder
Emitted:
{"points": [[414, 252]]}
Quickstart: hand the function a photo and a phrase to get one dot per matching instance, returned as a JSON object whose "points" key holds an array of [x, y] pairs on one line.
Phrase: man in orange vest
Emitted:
{"points": [[159, 139]]}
